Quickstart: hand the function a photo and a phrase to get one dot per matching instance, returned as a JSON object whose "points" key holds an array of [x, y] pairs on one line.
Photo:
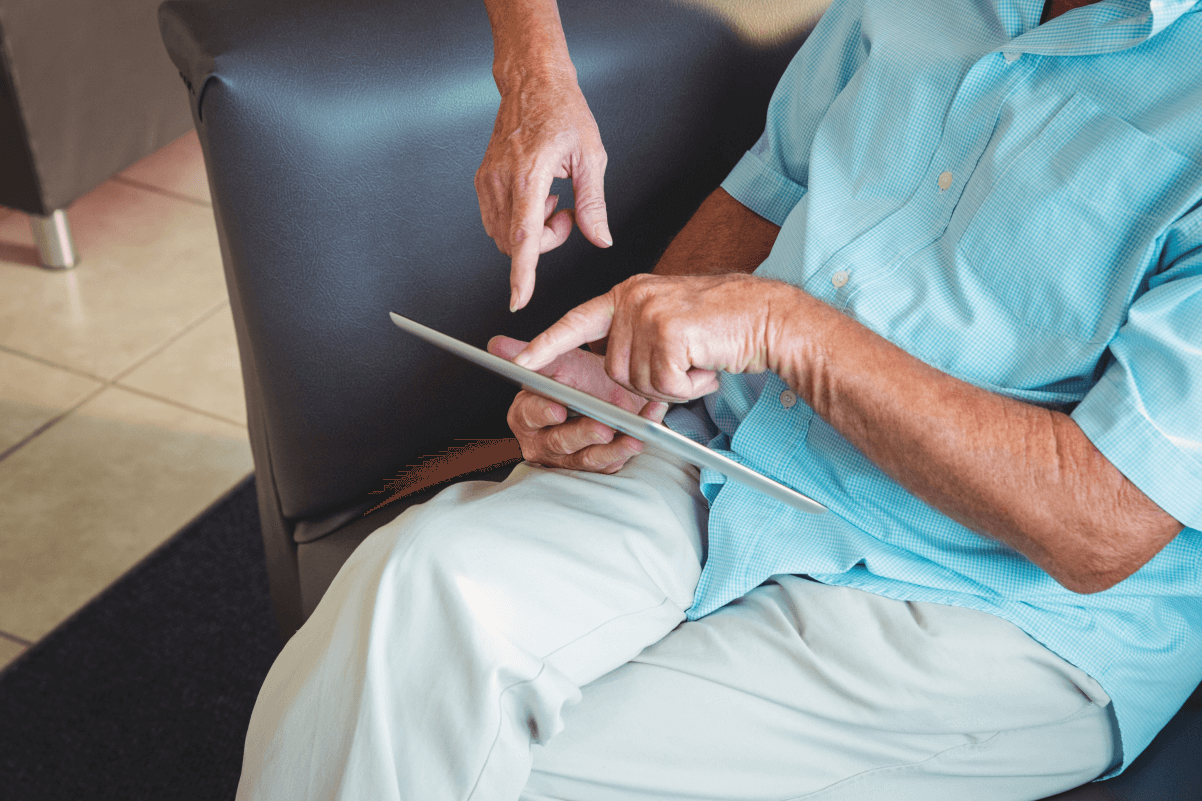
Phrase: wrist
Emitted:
{"points": [[531, 71], [800, 329], [528, 43]]}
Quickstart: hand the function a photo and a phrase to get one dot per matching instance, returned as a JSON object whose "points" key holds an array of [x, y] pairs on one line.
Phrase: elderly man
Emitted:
{"points": [[954, 293]]}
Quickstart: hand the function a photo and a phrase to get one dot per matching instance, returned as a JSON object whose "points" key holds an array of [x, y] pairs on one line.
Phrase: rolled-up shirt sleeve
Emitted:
{"points": [[771, 178], [762, 189], [1145, 413]]}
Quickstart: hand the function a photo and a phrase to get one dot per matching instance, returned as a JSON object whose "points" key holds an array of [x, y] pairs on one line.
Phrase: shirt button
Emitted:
{"points": [[788, 398], [945, 180], [839, 279], [1011, 57]]}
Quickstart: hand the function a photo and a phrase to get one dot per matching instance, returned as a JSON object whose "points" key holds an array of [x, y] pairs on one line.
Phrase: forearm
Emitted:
{"points": [[723, 236], [1021, 474], [528, 42]]}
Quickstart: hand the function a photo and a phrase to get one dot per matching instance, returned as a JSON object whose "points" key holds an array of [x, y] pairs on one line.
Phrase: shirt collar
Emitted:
{"points": [[1104, 27]]}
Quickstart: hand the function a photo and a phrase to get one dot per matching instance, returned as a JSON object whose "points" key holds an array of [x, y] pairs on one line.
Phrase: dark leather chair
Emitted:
{"points": [[85, 91], [340, 141]]}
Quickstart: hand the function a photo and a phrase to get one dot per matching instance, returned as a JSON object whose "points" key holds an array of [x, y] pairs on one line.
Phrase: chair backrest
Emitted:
{"points": [[341, 140]]}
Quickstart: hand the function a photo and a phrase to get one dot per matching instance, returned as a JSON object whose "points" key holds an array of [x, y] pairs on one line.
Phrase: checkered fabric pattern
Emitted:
{"points": [[1019, 206]]}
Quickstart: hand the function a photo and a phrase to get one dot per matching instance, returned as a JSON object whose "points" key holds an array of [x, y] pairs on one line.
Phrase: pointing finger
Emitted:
{"points": [[529, 200], [585, 323]]}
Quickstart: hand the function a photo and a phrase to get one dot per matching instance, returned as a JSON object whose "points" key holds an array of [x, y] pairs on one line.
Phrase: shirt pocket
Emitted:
{"points": [[1064, 237]]}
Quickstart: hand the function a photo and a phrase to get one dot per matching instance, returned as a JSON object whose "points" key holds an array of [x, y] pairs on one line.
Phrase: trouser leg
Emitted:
{"points": [[455, 636], [802, 690]]}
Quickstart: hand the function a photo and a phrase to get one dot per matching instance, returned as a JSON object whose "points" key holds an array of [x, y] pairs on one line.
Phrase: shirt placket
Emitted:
{"points": [[971, 120]]}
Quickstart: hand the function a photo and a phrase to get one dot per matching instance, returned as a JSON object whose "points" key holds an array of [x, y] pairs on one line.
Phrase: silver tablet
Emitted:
{"points": [[613, 416]]}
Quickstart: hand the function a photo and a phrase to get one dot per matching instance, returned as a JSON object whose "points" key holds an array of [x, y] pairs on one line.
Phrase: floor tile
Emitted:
{"points": [[98, 491], [179, 167], [9, 651], [200, 370], [33, 393], [150, 265]]}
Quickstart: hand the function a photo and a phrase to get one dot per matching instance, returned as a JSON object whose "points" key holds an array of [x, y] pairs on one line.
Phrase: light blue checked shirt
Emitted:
{"points": [[1019, 206]]}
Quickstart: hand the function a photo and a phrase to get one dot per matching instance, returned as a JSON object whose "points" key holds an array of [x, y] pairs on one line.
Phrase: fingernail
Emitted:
{"points": [[602, 232], [513, 299], [522, 359]]}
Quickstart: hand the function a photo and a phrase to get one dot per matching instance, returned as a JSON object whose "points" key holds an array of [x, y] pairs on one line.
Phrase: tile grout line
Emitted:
{"points": [[4, 635], [113, 382], [48, 424], [44, 427], [68, 412], [183, 406], [203, 318], [169, 341], [106, 383], [159, 190], [56, 365]]}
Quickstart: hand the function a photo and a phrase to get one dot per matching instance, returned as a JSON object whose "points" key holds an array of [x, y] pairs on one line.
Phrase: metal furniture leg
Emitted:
{"points": [[52, 236]]}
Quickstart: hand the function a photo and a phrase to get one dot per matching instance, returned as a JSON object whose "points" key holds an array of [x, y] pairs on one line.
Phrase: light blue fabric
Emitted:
{"points": [[1061, 264]]}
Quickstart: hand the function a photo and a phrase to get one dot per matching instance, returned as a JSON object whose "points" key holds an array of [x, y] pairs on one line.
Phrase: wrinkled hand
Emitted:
{"points": [[544, 130], [668, 335], [542, 426]]}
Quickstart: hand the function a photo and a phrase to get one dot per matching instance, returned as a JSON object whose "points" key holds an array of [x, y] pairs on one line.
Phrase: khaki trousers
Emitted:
{"points": [[526, 640]]}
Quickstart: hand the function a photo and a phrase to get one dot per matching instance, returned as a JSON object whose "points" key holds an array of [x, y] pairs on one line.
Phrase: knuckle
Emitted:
{"points": [[519, 231], [520, 412], [530, 453], [526, 180], [558, 440], [636, 282], [486, 178], [591, 460], [558, 144], [597, 460], [513, 419], [592, 204], [575, 317]]}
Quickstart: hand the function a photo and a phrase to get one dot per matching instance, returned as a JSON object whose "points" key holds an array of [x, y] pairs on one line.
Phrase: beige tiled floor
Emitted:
{"points": [[121, 411]]}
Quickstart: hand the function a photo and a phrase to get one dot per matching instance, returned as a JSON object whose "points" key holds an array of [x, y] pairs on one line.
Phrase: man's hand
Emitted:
{"points": [[669, 334], [549, 438], [1019, 473], [544, 130]]}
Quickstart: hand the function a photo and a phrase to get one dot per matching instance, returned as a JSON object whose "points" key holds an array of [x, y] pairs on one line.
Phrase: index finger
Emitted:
{"points": [[529, 201], [587, 322]]}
